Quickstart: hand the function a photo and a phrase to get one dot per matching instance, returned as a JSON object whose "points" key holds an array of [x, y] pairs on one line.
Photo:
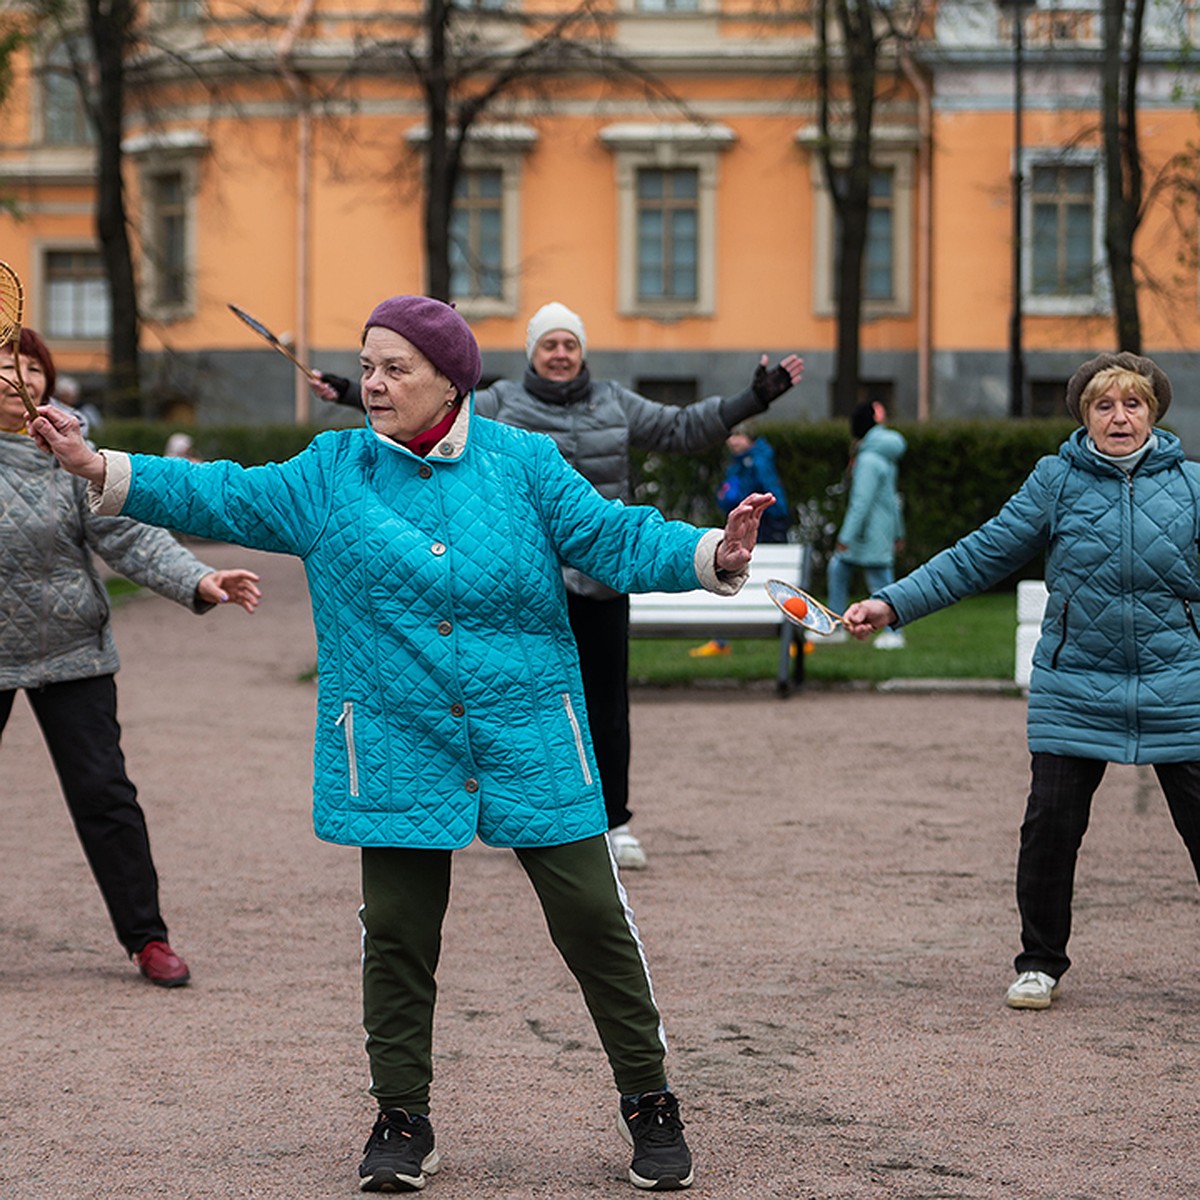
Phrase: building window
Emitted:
{"points": [[75, 295], [669, 389], [168, 247], [887, 258], [1063, 199], [667, 6], [668, 231], [64, 115], [168, 177], [176, 12], [666, 214], [477, 236]]}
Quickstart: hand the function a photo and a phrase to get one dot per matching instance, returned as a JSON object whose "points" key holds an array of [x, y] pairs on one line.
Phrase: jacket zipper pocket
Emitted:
{"points": [[1062, 641], [346, 721], [1191, 616], [583, 762]]}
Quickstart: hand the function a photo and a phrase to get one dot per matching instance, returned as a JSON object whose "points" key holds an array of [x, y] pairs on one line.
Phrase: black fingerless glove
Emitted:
{"points": [[339, 383], [769, 385]]}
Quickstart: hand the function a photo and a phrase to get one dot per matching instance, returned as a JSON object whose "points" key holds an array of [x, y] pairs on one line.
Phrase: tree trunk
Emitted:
{"points": [[441, 155], [111, 27], [1122, 165]]}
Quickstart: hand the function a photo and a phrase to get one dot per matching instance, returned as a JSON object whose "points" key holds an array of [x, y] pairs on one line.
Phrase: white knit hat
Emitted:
{"points": [[554, 316]]}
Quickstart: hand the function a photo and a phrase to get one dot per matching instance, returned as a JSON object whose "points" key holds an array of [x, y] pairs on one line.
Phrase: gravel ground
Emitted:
{"points": [[828, 914]]}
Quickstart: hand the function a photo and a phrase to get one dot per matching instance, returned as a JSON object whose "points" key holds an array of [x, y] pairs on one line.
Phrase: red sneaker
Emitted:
{"points": [[161, 965]]}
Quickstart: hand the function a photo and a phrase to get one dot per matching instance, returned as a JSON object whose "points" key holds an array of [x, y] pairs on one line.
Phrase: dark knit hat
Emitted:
{"points": [[862, 419], [1126, 361], [438, 331]]}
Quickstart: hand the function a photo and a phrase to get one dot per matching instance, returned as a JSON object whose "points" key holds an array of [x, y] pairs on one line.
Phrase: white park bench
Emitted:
{"points": [[751, 613]]}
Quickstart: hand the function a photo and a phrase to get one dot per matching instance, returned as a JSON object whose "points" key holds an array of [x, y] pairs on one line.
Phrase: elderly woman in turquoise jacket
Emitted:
{"points": [[450, 703], [1116, 671]]}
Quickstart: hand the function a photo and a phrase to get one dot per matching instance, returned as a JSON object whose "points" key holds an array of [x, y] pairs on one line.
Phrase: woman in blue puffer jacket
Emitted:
{"points": [[450, 702], [1116, 672]]}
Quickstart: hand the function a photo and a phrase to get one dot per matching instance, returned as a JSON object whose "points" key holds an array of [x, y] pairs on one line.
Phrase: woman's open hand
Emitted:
{"points": [[60, 433], [741, 532]]}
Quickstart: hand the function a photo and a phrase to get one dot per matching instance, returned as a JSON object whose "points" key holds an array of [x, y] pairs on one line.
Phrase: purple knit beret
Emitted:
{"points": [[438, 331]]}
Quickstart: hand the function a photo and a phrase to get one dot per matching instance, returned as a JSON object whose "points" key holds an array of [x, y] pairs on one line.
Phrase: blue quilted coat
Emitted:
{"points": [[1116, 671], [450, 701]]}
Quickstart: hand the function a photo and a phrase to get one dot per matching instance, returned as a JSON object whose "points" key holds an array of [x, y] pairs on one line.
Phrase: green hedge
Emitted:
{"points": [[955, 475]]}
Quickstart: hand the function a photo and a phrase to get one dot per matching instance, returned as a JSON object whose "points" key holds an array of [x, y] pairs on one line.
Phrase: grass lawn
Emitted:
{"points": [[974, 639]]}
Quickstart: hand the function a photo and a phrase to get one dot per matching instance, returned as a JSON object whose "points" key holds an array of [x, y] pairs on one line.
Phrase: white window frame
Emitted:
{"points": [[497, 147], [1099, 301], [40, 287], [901, 159], [668, 147], [155, 155]]}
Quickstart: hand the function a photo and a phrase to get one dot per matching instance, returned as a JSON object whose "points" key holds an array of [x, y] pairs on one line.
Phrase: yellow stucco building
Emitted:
{"points": [[666, 184]]}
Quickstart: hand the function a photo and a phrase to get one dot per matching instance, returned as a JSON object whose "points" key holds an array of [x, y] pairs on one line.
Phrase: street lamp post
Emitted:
{"points": [[1016, 363]]}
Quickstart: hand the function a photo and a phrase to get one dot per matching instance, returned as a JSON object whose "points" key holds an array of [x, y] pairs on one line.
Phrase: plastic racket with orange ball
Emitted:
{"points": [[802, 609], [12, 309]]}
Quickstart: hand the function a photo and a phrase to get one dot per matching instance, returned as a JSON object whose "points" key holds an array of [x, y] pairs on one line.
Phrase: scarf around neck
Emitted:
{"points": [[554, 391]]}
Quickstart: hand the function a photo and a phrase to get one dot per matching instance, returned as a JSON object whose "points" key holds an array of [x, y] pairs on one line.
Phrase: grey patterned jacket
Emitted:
{"points": [[54, 613]]}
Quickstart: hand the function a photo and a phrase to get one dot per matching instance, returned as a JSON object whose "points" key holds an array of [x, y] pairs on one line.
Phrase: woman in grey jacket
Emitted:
{"points": [[595, 424], [56, 643], [1116, 672]]}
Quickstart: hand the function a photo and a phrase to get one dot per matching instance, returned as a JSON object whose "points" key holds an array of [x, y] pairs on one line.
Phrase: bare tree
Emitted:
{"points": [[463, 73], [1122, 30], [854, 64]]}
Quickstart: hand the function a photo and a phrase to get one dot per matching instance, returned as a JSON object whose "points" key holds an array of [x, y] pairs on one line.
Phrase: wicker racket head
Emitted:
{"points": [[12, 309], [809, 612], [12, 304]]}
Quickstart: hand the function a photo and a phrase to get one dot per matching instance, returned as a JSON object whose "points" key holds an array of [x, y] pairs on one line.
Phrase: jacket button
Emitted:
{"points": [[446, 448], [437, 548], [457, 710], [472, 785], [444, 628], [425, 470]]}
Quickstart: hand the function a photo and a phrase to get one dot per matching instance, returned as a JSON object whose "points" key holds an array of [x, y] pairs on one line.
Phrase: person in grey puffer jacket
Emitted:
{"points": [[595, 424], [1116, 671], [56, 644]]}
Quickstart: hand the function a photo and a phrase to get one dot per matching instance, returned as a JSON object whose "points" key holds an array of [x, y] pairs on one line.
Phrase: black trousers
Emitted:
{"points": [[1056, 818], [79, 722], [601, 629]]}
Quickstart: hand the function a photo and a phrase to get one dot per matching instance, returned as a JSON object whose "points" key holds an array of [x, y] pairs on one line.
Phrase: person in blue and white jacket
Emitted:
{"points": [[450, 703], [1116, 671]]}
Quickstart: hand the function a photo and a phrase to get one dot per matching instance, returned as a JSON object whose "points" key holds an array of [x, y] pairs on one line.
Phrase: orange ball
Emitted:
{"points": [[797, 606]]}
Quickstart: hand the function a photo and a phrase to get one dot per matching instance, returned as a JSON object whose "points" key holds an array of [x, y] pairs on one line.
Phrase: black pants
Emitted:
{"points": [[601, 629], [79, 722], [1056, 818]]}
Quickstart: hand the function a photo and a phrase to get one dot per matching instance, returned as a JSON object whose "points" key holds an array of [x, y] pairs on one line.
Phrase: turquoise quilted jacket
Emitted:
{"points": [[1116, 671], [449, 700]]}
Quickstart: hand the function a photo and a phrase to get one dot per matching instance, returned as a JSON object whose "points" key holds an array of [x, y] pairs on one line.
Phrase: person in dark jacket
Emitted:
{"points": [[56, 644], [595, 424], [449, 694], [1116, 671]]}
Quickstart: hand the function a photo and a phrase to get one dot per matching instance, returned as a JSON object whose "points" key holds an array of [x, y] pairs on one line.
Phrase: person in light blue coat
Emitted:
{"points": [[450, 703], [873, 526], [1116, 671]]}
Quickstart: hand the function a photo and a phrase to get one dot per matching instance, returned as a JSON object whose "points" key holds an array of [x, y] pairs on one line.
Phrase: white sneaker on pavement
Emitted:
{"points": [[1031, 989], [889, 639], [627, 850]]}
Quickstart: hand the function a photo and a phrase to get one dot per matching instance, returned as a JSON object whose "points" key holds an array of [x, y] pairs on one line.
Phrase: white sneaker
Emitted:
{"points": [[627, 850], [889, 639], [834, 638], [1031, 989]]}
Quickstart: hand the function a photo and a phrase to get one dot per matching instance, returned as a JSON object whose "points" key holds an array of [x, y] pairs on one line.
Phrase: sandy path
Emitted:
{"points": [[828, 913]]}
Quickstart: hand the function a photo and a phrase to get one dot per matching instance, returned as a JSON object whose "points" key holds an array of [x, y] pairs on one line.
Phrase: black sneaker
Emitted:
{"points": [[398, 1154], [661, 1160]]}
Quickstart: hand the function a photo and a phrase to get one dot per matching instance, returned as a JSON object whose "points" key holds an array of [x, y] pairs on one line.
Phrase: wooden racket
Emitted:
{"points": [[267, 336], [12, 309], [802, 609]]}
